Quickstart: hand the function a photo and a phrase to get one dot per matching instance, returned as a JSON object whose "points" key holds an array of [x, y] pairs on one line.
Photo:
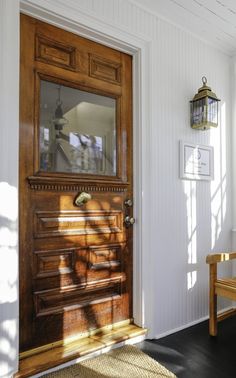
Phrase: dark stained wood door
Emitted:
{"points": [[75, 138]]}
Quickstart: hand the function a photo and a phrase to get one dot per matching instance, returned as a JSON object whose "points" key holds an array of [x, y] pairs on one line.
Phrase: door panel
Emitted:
{"points": [[75, 137]]}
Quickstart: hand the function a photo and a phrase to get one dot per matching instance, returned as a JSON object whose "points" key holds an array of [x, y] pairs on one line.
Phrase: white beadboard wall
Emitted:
{"points": [[9, 116], [187, 219]]}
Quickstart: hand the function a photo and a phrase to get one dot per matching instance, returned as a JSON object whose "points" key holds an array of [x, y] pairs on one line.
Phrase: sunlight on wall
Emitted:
{"points": [[190, 192], [8, 282], [8, 241], [191, 279], [8, 327], [218, 185], [8, 202]]}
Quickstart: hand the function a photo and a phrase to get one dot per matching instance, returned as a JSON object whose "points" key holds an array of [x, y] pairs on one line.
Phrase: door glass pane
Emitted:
{"points": [[77, 131]]}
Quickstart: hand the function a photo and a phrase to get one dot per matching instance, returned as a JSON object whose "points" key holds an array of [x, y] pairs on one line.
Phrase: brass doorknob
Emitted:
{"points": [[82, 198], [129, 221]]}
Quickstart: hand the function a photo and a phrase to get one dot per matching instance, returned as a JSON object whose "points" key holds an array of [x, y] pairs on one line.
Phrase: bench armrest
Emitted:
{"points": [[220, 257]]}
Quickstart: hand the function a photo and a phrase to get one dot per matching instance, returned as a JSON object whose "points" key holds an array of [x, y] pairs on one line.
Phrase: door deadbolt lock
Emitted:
{"points": [[129, 203], [129, 221], [82, 198]]}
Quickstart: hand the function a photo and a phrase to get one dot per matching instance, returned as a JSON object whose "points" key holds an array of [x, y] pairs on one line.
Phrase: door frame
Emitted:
{"points": [[87, 25]]}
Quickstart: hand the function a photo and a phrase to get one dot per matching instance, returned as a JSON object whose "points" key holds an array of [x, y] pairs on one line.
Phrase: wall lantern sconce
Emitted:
{"points": [[204, 108]]}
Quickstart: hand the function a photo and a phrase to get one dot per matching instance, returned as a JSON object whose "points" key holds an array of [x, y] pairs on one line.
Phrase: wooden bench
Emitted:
{"points": [[224, 287]]}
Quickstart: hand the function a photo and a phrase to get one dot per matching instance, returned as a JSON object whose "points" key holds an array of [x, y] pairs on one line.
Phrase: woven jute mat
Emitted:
{"points": [[126, 362]]}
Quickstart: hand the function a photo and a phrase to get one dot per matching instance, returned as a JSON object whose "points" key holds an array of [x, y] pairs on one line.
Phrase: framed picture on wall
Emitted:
{"points": [[196, 162]]}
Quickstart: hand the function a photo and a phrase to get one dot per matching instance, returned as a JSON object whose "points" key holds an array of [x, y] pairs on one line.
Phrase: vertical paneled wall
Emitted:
{"points": [[187, 219], [190, 218], [9, 120], [233, 102]]}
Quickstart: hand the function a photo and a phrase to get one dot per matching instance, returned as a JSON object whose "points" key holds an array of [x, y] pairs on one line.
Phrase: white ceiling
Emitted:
{"points": [[211, 20]]}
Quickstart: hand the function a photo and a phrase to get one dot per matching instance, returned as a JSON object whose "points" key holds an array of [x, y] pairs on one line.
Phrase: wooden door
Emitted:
{"points": [[75, 180]]}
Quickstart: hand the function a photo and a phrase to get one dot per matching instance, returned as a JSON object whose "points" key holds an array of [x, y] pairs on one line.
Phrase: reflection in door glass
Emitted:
{"points": [[77, 131]]}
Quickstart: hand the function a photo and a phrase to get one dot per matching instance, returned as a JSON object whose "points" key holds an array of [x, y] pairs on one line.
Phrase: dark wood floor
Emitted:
{"points": [[192, 353]]}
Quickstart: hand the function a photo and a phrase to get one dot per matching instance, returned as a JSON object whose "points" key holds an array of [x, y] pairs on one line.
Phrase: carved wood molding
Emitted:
{"points": [[54, 223], [48, 302], [104, 69], [55, 53], [66, 185]]}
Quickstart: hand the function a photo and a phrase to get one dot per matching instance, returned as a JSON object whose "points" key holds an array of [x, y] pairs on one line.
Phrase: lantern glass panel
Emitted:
{"points": [[197, 111], [212, 116]]}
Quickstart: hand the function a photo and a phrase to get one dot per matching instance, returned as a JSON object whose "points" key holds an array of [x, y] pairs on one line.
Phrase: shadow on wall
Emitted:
{"points": [[8, 279], [206, 217], [219, 184]]}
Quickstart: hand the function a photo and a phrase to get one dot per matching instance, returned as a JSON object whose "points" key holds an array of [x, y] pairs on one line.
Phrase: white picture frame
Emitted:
{"points": [[196, 162]]}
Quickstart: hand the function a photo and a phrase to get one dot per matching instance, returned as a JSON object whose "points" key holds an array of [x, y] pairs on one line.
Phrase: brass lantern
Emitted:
{"points": [[204, 108]]}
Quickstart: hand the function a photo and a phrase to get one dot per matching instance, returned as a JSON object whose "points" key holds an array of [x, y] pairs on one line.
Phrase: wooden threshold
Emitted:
{"points": [[58, 355]]}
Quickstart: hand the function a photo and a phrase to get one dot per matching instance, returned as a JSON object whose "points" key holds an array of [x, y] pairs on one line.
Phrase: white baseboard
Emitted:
{"points": [[200, 320]]}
